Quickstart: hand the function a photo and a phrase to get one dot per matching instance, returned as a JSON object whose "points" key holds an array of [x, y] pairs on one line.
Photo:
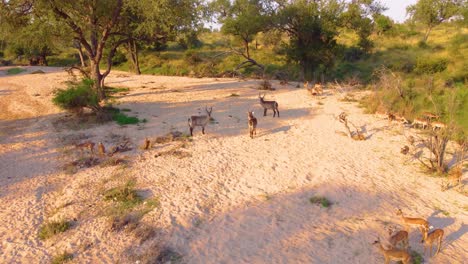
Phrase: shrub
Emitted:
{"points": [[62, 258], [319, 200], [123, 119], [192, 57], [431, 66], [77, 96], [126, 195], [14, 71], [52, 228]]}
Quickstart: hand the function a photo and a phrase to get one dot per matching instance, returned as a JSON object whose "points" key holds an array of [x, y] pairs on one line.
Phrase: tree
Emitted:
{"points": [[100, 27], [312, 28], [243, 19], [383, 24], [433, 12]]}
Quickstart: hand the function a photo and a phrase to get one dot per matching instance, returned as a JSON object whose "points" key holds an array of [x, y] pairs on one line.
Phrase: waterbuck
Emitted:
{"points": [[202, 120], [252, 124], [273, 105]]}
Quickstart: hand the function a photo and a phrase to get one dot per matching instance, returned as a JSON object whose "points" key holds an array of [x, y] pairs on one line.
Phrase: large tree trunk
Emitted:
{"points": [[98, 79]]}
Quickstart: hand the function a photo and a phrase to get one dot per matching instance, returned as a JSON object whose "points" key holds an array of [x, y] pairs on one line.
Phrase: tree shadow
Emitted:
{"points": [[288, 223]]}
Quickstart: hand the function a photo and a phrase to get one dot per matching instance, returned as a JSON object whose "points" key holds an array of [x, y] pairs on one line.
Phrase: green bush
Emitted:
{"points": [[430, 66], [123, 119], [52, 228], [62, 258], [319, 200], [77, 96], [192, 57], [126, 195]]}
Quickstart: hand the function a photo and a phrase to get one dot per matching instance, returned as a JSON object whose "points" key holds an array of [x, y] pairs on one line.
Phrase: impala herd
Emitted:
{"points": [[398, 240], [420, 122], [401, 253]]}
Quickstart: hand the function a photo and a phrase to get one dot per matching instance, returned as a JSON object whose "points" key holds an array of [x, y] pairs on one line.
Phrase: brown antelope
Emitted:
{"points": [[393, 254], [89, 145], [430, 115], [398, 237], [401, 119], [273, 105], [202, 120], [420, 223], [252, 124], [318, 88], [436, 235], [101, 149], [381, 114], [438, 125], [420, 121]]}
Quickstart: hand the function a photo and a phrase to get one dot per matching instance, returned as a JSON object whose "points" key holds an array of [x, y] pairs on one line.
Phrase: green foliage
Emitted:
{"points": [[319, 200], [416, 257], [77, 96], [125, 196], [13, 71], [383, 24], [52, 228], [62, 258], [432, 12], [123, 119], [430, 66]]}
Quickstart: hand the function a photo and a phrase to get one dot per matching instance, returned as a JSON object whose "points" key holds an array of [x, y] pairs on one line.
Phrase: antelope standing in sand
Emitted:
{"points": [[438, 125], [318, 88], [419, 223], [89, 145], [393, 254], [252, 124], [398, 237], [436, 235], [202, 120], [273, 105], [422, 122]]}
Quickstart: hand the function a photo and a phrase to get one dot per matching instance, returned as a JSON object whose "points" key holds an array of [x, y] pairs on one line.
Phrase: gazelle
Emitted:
{"points": [[438, 125], [101, 149], [85, 145], [422, 122], [202, 120], [252, 124], [436, 235], [401, 119], [318, 88], [381, 114], [420, 223], [430, 115], [273, 105], [393, 254], [398, 237]]}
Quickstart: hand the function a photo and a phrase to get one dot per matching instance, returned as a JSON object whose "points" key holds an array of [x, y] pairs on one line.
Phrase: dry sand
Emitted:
{"points": [[234, 200]]}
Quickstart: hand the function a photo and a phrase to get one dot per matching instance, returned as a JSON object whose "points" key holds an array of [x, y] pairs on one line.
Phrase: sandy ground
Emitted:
{"points": [[235, 199]]}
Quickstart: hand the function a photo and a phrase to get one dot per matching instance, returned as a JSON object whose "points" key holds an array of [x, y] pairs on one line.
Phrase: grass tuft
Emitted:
{"points": [[52, 228], [126, 195], [62, 258], [123, 119], [319, 200]]}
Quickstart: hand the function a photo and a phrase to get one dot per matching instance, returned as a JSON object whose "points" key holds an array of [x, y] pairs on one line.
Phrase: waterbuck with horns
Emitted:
{"points": [[273, 105], [201, 120]]}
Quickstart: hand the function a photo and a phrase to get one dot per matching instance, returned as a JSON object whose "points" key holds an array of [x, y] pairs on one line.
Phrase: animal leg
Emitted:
{"points": [[191, 131], [277, 111], [264, 112], [203, 130], [274, 112]]}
